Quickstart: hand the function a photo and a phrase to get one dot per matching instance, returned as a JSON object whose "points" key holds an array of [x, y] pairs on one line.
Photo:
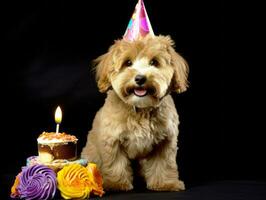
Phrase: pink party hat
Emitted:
{"points": [[139, 24]]}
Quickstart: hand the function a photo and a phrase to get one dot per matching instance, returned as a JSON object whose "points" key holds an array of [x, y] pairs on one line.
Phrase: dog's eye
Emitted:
{"points": [[127, 63], [154, 62]]}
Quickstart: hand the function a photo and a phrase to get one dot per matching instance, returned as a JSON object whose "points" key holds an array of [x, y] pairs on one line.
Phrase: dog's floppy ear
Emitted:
{"points": [[103, 69], [104, 66], [179, 82]]}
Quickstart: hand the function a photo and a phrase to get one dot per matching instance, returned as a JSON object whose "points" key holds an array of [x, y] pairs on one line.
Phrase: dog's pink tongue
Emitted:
{"points": [[140, 92]]}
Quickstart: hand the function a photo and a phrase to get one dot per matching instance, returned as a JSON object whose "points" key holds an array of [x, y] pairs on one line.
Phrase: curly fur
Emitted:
{"points": [[130, 127]]}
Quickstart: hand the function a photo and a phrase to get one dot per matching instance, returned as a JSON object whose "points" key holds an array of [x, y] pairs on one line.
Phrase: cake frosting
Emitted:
{"points": [[52, 138], [78, 182], [35, 182], [73, 182], [96, 179]]}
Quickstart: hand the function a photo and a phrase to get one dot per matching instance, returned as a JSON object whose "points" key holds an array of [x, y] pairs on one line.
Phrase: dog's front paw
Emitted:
{"points": [[170, 186], [118, 186]]}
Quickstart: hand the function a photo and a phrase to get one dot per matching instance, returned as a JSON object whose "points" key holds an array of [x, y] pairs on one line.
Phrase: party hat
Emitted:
{"points": [[139, 24]]}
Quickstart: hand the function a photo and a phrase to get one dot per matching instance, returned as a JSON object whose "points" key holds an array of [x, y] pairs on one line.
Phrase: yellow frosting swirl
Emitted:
{"points": [[74, 182]]}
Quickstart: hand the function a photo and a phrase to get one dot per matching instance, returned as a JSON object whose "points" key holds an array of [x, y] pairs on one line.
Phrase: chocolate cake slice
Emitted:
{"points": [[52, 146]]}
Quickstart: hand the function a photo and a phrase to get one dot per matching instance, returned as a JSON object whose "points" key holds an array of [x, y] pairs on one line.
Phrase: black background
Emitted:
{"points": [[48, 48]]}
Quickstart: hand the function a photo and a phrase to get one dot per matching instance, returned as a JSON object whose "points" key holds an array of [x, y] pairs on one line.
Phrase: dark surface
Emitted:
{"points": [[222, 190], [229, 190], [47, 50]]}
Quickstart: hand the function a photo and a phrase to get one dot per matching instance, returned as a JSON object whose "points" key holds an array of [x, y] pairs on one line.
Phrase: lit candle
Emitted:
{"points": [[58, 118]]}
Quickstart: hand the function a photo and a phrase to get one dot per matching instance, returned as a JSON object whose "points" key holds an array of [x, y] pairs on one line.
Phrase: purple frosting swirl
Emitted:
{"points": [[37, 182]]}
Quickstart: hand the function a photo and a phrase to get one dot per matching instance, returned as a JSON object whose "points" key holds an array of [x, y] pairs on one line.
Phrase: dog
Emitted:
{"points": [[138, 120]]}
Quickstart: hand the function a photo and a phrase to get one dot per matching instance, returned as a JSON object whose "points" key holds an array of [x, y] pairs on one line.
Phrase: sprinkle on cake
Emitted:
{"points": [[54, 137]]}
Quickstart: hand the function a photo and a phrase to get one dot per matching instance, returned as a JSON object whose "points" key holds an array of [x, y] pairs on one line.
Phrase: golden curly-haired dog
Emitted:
{"points": [[138, 120]]}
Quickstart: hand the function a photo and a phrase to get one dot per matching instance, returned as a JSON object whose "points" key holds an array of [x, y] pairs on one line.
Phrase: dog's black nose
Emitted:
{"points": [[140, 79]]}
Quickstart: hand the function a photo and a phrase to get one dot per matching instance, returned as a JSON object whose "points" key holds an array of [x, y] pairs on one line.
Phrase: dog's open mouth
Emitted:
{"points": [[140, 92]]}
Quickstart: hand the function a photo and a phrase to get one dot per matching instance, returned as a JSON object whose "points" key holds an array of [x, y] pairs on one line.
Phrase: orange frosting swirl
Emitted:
{"points": [[14, 188], [96, 179]]}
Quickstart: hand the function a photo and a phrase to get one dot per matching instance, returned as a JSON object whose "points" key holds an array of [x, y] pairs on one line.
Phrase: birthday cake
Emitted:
{"points": [[55, 150], [53, 146]]}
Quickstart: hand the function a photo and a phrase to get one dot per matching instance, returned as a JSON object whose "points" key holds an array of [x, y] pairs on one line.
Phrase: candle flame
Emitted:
{"points": [[58, 115]]}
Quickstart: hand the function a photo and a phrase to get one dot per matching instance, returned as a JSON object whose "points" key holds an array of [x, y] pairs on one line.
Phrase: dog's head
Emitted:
{"points": [[142, 72]]}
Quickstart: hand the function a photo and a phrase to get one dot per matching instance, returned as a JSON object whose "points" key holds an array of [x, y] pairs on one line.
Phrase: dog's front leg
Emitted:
{"points": [[116, 170], [160, 168]]}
